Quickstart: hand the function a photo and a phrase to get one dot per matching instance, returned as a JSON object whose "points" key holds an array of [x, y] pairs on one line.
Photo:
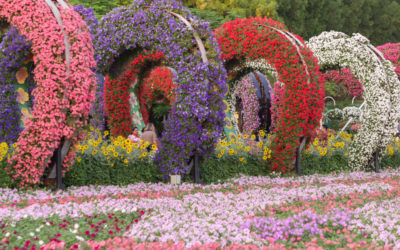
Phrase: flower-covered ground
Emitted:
{"points": [[352, 210]]}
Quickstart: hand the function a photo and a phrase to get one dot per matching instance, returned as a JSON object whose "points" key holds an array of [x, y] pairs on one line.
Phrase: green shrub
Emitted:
{"points": [[216, 169], [313, 164]]}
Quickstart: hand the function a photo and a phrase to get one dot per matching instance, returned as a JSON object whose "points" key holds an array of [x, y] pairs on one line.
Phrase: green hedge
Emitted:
{"points": [[92, 172]]}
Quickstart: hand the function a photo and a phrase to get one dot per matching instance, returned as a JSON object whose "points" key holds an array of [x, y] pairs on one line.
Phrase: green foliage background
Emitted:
{"points": [[376, 19]]}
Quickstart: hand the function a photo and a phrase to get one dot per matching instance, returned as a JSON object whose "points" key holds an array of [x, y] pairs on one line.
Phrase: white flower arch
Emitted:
{"points": [[380, 84]]}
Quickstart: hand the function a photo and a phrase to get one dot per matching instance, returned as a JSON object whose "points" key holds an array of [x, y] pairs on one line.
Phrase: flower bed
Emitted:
{"points": [[312, 211]]}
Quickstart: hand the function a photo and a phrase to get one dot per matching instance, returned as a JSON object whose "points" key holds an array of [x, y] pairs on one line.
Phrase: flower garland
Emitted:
{"points": [[116, 95], [380, 84], [196, 120], [391, 52], [302, 104], [64, 91], [347, 80], [247, 93], [159, 81], [13, 51]]}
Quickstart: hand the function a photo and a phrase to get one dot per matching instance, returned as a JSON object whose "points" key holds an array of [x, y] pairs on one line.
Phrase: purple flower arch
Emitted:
{"points": [[196, 120]]}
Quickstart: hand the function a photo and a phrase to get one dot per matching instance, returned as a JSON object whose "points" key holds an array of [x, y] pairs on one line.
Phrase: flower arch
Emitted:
{"points": [[160, 81], [166, 27], [264, 41], [381, 89], [62, 53]]}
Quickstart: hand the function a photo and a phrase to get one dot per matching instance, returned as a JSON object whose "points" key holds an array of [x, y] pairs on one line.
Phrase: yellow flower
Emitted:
{"points": [[260, 144], [115, 154], [78, 159], [1, 159], [144, 154], [105, 153], [245, 136], [316, 141], [106, 132], [231, 151], [247, 149], [129, 151], [91, 128], [261, 133], [153, 147], [219, 156], [126, 161], [242, 159], [265, 158], [94, 152], [240, 136], [135, 145], [253, 137]]}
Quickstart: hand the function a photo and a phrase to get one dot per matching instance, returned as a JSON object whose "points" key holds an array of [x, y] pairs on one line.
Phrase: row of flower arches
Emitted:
{"points": [[161, 36]]}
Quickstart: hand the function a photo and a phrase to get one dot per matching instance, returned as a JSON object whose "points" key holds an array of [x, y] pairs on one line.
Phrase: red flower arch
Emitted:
{"points": [[160, 81], [261, 39]]}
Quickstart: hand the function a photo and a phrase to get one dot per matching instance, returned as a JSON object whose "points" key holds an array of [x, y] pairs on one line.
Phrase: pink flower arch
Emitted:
{"points": [[63, 57]]}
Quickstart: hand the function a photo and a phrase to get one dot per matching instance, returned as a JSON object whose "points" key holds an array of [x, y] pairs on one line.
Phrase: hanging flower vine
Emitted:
{"points": [[64, 91], [260, 39], [381, 90]]}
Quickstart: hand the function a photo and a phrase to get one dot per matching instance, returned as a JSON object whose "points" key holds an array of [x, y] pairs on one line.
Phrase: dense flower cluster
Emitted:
{"points": [[116, 95], [159, 84], [196, 121], [345, 79], [381, 89], [64, 91], [302, 102], [391, 51], [13, 51]]}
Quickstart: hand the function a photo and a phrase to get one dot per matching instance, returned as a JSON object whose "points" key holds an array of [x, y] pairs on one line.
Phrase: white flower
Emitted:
{"points": [[79, 238], [38, 230], [41, 242], [7, 234], [31, 234], [76, 226]]}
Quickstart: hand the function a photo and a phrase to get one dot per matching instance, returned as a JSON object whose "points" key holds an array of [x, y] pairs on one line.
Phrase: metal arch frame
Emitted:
{"points": [[378, 57], [295, 42], [64, 145]]}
